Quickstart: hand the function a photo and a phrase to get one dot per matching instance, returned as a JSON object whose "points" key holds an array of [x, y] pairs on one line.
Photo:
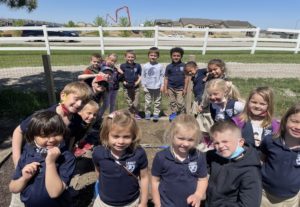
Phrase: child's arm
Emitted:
{"points": [[155, 193], [17, 139], [144, 184], [16, 186], [166, 85], [195, 199], [138, 81], [186, 84], [54, 185], [86, 76]]}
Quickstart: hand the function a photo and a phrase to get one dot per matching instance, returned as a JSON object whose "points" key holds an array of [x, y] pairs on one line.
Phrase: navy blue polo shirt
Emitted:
{"points": [[281, 169], [178, 180], [131, 73], [199, 84], [35, 193], [118, 187], [175, 75]]}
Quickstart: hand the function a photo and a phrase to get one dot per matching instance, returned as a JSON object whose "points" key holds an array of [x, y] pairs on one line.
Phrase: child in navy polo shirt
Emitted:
{"points": [[234, 169], [121, 164], [257, 117], [225, 101], [175, 82], [131, 81], [281, 163], [45, 166], [179, 174]]}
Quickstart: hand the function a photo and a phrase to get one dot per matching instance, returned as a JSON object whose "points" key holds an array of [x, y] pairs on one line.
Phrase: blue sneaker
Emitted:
{"points": [[172, 116], [155, 118], [147, 116]]}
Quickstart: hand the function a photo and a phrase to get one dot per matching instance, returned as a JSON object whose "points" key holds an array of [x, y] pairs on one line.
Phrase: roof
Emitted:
{"points": [[237, 24], [163, 21], [198, 21]]}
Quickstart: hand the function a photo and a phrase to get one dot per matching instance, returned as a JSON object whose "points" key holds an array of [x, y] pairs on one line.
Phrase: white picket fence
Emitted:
{"points": [[206, 41]]}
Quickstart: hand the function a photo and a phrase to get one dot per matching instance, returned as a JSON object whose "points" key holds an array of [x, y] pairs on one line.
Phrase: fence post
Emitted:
{"points": [[46, 39], [205, 41], [298, 43], [49, 79], [100, 29], [255, 40], [156, 36], [189, 94]]}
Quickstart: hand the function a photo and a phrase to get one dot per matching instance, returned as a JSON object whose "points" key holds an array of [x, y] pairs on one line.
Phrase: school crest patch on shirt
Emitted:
{"points": [[193, 167], [267, 132], [130, 166], [229, 112]]}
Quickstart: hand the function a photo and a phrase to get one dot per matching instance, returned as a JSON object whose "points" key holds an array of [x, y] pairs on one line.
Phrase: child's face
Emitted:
{"points": [[190, 71], [119, 139], [88, 114], [215, 70], [176, 57], [95, 62], [293, 125], [130, 58], [226, 142], [183, 141], [257, 105], [71, 101], [216, 95], [152, 57], [111, 60], [49, 141]]}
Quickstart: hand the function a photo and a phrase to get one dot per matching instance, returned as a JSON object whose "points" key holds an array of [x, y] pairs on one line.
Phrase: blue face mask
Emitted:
{"points": [[238, 151]]}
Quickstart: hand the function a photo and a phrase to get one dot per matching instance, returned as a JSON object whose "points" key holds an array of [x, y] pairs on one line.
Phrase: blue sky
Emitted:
{"points": [[261, 13]]}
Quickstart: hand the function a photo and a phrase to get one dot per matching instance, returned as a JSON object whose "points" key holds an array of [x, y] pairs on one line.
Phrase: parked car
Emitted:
{"points": [[37, 33]]}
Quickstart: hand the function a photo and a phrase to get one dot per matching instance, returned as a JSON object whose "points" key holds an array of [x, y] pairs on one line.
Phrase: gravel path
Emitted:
{"points": [[32, 77]]}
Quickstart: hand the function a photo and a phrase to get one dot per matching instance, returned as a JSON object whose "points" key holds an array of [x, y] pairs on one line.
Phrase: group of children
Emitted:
{"points": [[229, 152]]}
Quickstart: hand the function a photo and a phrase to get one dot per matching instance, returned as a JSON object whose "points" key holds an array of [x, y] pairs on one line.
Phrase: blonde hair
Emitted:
{"points": [[81, 89], [188, 122], [92, 104], [267, 94], [122, 118], [230, 90]]}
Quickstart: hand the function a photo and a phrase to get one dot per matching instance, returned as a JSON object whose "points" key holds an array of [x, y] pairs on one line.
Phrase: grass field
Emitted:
{"points": [[61, 58]]}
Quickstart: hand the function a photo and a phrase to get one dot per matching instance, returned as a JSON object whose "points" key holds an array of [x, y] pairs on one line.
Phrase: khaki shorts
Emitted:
{"points": [[269, 200]]}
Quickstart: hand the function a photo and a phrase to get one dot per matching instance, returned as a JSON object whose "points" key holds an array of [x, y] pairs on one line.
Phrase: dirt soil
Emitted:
{"points": [[83, 189]]}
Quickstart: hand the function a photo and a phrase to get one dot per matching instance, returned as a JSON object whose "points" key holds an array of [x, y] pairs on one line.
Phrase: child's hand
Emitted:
{"points": [[162, 89], [194, 200], [184, 92], [52, 154], [200, 109], [30, 170], [125, 83], [142, 205]]}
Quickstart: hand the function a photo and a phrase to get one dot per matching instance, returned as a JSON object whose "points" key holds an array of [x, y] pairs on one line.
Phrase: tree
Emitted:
{"points": [[148, 33], [29, 4], [123, 22], [99, 21], [70, 24]]}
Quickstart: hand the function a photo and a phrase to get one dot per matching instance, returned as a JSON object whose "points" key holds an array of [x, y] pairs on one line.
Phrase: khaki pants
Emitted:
{"points": [[269, 200], [132, 98], [99, 203], [16, 200], [155, 96], [176, 99]]}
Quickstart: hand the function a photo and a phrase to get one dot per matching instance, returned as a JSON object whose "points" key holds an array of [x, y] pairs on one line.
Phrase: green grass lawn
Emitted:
{"points": [[61, 58], [17, 105]]}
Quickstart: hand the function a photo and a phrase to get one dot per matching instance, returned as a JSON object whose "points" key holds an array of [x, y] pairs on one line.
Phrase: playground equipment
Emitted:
{"points": [[115, 20]]}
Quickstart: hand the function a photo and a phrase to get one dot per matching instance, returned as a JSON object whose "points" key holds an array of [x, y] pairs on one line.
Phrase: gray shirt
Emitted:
{"points": [[153, 75]]}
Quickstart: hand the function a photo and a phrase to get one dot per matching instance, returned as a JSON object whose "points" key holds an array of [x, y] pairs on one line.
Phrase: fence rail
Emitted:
{"points": [[203, 39]]}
